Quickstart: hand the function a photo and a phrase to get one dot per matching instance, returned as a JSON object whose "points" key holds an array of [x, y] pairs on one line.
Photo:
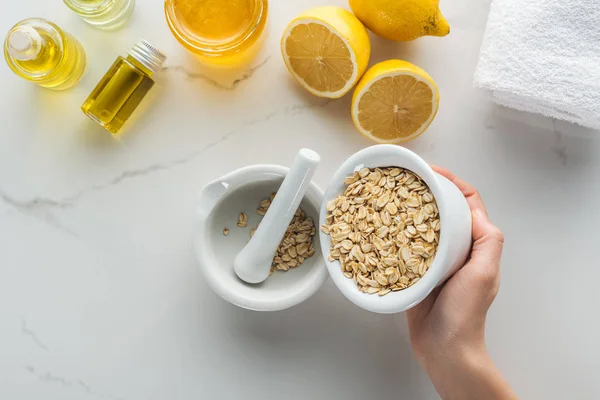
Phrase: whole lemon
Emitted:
{"points": [[401, 20]]}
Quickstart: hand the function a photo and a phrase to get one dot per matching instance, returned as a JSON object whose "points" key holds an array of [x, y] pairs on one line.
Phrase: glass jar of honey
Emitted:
{"points": [[224, 33]]}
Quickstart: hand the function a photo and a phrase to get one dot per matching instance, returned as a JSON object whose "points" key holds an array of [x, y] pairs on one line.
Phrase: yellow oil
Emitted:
{"points": [[92, 2], [57, 59], [103, 14], [121, 90], [220, 32]]}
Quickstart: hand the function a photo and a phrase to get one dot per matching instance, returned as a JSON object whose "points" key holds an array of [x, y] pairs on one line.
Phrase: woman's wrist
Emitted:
{"points": [[467, 373]]}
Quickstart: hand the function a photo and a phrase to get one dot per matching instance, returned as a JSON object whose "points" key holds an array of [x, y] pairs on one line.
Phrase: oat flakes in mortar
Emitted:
{"points": [[297, 243]]}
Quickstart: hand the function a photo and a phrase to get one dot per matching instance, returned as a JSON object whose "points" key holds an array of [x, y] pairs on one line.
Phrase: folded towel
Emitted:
{"points": [[543, 56]]}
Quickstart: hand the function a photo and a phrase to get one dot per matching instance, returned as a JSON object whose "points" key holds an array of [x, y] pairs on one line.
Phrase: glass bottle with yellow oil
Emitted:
{"points": [[223, 33], [124, 86], [103, 14], [39, 51]]}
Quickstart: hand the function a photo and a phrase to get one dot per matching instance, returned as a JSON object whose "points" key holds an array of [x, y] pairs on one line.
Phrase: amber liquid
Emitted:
{"points": [[214, 20], [118, 94], [220, 32]]}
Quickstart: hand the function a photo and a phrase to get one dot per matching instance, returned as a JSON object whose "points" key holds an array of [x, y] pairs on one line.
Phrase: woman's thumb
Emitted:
{"points": [[486, 236], [484, 265]]}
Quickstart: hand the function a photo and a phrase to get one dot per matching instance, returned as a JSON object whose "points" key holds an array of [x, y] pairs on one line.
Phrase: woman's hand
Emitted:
{"points": [[447, 329]]}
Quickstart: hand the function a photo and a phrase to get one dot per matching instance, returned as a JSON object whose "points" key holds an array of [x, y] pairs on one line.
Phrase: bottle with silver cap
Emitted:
{"points": [[124, 86], [39, 51]]}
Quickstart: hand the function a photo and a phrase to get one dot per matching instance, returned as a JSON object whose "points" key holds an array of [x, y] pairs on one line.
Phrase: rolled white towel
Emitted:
{"points": [[543, 56]]}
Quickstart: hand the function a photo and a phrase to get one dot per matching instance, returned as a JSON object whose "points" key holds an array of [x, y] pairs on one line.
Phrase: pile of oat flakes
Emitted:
{"points": [[297, 243], [384, 229]]}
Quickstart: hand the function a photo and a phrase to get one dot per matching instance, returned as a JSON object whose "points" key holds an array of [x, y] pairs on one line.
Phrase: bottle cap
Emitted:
{"points": [[24, 43], [148, 55]]}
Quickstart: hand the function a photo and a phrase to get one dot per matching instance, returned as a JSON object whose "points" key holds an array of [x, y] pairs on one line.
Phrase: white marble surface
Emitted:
{"points": [[100, 294]]}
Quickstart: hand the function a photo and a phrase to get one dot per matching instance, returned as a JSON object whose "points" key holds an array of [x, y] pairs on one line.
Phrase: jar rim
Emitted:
{"points": [[82, 8]]}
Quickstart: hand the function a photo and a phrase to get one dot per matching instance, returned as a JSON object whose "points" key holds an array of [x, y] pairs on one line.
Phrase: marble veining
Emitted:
{"points": [[70, 384], [32, 335], [40, 208], [207, 78], [560, 149]]}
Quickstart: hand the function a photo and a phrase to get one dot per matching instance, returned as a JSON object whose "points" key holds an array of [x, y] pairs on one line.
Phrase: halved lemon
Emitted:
{"points": [[395, 101], [327, 50]]}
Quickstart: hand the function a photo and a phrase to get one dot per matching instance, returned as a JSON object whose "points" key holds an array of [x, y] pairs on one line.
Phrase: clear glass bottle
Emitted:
{"points": [[39, 51], [123, 87], [221, 33], [103, 14]]}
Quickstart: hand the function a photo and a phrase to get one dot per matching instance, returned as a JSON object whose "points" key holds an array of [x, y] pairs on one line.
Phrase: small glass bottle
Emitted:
{"points": [[221, 33], [103, 14], [39, 51], [123, 87]]}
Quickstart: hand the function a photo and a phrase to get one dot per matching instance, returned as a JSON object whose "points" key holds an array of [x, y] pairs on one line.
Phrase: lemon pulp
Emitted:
{"points": [[326, 49], [319, 57], [395, 101], [395, 107]]}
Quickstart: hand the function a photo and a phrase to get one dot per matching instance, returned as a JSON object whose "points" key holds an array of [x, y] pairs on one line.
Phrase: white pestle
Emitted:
{"points": [[253, 263]]}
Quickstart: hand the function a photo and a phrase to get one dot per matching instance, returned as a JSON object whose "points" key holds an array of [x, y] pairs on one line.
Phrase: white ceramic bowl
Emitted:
{"points": [[221, 202], [455, 232]]}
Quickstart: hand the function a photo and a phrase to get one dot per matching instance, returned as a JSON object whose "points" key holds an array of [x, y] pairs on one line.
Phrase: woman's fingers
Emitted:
{"points": [[483, 269], [481, 275], [484, 265], [471, 194], [486, 234]]}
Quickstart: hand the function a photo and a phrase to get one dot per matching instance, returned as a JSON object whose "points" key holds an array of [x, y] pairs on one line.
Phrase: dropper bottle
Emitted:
{"points": [[124, 86], [39, 51]]}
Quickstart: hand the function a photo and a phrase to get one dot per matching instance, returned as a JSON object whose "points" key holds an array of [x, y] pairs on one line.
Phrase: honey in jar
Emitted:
{"points": [[223, 33]]}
